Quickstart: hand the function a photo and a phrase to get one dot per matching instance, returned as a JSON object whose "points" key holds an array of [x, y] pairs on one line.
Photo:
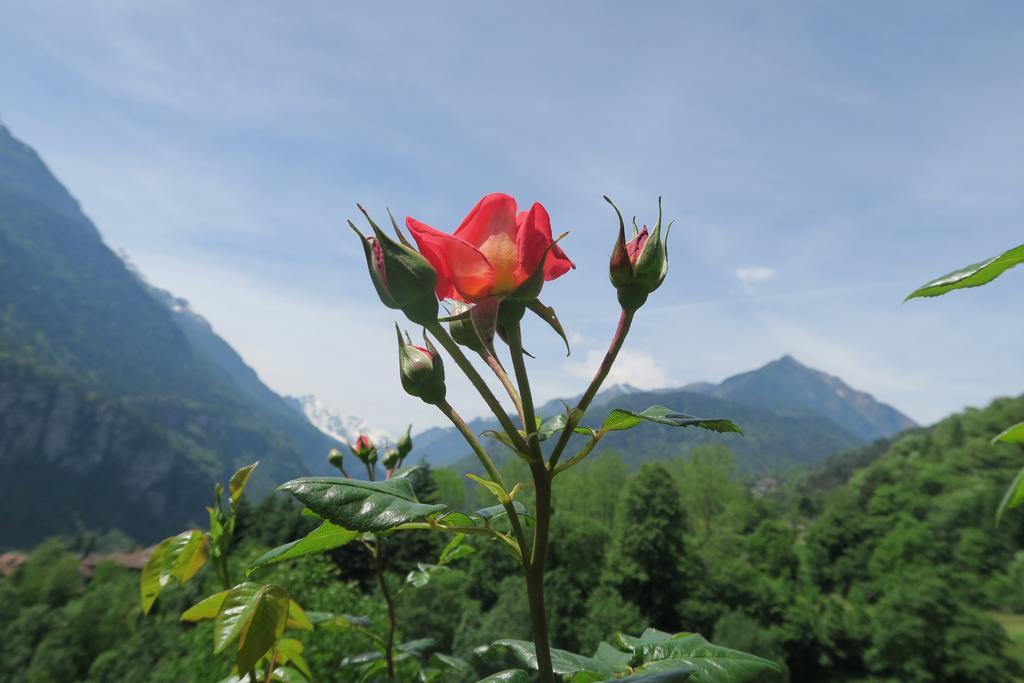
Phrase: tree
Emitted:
{"points": [[647, 547]]}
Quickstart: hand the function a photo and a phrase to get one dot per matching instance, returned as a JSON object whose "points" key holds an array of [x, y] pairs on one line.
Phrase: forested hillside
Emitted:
{"points": [[73, 315], [883, 564]]}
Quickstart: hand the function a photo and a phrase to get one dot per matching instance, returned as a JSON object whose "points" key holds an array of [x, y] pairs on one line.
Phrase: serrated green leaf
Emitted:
{"points": [[1013, 497], [286, 674], [255, 617], [456, 549], [711, 663], [1014, 434], [562, 662], [175, 559], [361, 505], [494, 512], [616, 660], [289, 651], [973, 275], [297, 618], [421, 576], [495, 488], [634, 644], [672, 674], [325, 537], [620, 419], [238, 482], [207, 608]]}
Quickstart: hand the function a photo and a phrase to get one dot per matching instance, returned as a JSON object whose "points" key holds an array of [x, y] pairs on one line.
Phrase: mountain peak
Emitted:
{"points": [[332, 423], [786, 385]]}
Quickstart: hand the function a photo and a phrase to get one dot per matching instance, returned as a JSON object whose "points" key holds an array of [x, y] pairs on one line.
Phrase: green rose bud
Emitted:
{"points": [[462, 330], [421, 370], [335, 457], [404, 444], [403, 278], [391, 459], [638, 267]]}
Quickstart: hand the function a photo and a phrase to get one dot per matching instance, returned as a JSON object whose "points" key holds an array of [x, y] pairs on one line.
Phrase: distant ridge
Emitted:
{"points": [[787, 386]]}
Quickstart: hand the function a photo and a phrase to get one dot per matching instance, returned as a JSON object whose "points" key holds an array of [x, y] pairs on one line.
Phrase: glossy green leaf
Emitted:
{"points": [[1014, 434], [495, 512], [676, 673], [495, 489], [207, 608], [286, 674], [711, 663], [620, 419], [325, 537], [255, 617], [973, 275], [297, 618], [456, 549], [361, 505], [421, 576], [238, 482], [507, 676], [177, 558], [616, 660], [562, 662], [456, 665], [634, 644], [1013, 497], [588, 677], [289, 651]]}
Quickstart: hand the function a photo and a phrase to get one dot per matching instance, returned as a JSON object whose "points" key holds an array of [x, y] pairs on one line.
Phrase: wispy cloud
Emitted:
{"points": [[751, 276]]}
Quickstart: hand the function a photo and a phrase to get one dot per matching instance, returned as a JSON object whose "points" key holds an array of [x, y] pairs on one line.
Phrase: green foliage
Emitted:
{"points": [[361, 505], [974, 275]]}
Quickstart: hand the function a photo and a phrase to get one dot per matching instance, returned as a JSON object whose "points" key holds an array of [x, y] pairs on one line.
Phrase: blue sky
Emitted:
{"points": [[820, 159]]}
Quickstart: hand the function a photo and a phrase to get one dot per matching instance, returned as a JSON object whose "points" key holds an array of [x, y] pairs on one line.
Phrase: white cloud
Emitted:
{"points": [[754, 275], [632, 367]]}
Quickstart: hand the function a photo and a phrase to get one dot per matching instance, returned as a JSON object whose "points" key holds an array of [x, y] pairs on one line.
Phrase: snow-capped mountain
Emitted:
{"points": [[333, 424]]}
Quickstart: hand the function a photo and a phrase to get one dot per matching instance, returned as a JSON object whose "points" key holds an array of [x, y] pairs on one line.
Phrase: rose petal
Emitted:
{"points": [[533, 238], [493, 215], [462, 271]]}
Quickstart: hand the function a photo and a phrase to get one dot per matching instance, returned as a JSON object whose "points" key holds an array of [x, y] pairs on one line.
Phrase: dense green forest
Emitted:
{"points": [[884, 564]]}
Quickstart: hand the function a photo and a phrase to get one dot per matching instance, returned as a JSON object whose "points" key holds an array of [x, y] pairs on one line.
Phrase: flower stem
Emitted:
{"points": [[442, 336], [492, 471], [625, 320], [495, 365], [542, 487]]}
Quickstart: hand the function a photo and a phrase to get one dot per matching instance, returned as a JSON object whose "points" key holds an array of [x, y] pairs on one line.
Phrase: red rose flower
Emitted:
{"points": [[492, 252]]}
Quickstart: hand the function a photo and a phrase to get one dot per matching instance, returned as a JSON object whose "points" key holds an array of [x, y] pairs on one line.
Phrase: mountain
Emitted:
{"points": [[125, 371], [788, 387], [332, 423], [790, 414]]}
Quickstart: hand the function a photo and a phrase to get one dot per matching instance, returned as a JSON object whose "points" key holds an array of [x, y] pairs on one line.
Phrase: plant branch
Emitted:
{"points": [[445, 339], [492, 471], [625, 320], [495, 365], [528, 413]]}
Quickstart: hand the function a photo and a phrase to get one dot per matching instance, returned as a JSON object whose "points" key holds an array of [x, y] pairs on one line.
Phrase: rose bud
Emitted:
{"points": [[403, 278], [364, 449], [335, 457], [462, 329], [638, 267], [421, 370], [391, 459], [404, 444]]}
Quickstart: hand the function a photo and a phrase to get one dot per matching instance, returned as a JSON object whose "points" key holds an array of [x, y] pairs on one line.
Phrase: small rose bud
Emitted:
{"points": [[638, 267], [403, 278], [364, 450], [335, 457], [421, 370], [391, 459], [462, 330], [404, 444]]}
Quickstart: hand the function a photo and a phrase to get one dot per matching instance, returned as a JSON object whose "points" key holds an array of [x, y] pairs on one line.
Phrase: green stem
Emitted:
{"points": [[453, 349], [528, 414], [542, 487], [625, 320], [492, 471], [495, 365]]}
